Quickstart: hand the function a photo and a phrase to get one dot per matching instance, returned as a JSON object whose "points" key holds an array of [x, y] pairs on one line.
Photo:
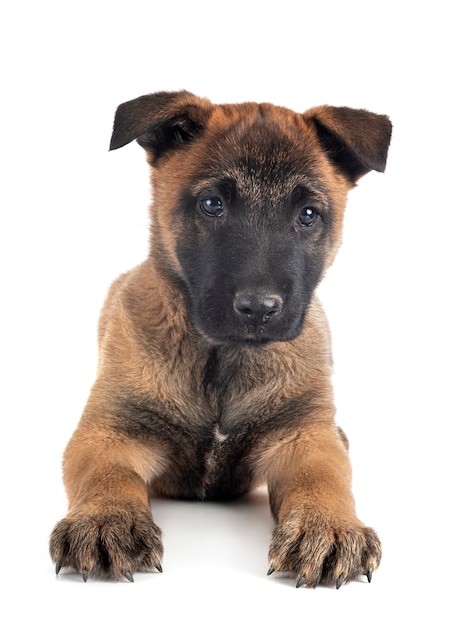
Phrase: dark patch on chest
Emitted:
{"points": [[209, 447]]}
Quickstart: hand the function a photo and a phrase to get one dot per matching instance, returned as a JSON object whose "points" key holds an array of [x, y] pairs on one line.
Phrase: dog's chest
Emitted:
{"points": [[215, 426], [216, 460], [228, 431]]}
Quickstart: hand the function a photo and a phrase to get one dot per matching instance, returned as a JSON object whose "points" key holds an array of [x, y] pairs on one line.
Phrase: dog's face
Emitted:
{"points": [[256, 222], [248, 202]]}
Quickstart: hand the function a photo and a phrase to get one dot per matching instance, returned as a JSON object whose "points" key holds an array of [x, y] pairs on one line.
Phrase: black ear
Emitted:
{"points": [[160, 121], [356, 140]]}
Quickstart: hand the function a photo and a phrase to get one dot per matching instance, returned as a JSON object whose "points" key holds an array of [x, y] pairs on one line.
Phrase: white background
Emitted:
{"points": [[73, 216]]}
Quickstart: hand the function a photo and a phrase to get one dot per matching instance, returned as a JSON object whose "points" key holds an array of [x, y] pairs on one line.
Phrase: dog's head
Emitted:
{"points": [[248, 202]]}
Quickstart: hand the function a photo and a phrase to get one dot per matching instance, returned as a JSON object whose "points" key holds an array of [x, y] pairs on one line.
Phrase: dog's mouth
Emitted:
{"points": [[252, 318], [250, 335], [240, 340], [253, 339]]}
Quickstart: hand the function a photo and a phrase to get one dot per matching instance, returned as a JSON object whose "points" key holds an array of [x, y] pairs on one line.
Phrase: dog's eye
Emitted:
{"points": [[213, 206], [308, 216]]}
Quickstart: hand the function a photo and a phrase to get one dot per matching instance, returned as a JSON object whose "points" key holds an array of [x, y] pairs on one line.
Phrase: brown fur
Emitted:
{"points": [[176, 412]]}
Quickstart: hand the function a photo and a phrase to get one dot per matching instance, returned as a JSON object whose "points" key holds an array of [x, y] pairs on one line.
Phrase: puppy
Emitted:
{"points": [[214, 374]]}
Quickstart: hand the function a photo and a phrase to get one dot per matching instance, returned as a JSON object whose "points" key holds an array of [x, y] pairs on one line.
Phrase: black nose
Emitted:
{"points": [[257, 308]]}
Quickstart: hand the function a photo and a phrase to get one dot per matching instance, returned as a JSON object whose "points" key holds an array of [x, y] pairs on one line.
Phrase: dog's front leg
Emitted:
{"points": [[108, 531], [318, 538]]}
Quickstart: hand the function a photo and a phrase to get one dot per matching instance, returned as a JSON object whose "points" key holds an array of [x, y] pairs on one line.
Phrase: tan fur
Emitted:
{"points": [[152, 363]]}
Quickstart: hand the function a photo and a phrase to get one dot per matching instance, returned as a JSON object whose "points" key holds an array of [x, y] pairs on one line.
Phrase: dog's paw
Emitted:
{"points": [[316, 549], [107, 544]]}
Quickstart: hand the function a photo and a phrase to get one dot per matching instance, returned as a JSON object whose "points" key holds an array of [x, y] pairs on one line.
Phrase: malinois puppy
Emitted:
{"points": [[215, 362]]}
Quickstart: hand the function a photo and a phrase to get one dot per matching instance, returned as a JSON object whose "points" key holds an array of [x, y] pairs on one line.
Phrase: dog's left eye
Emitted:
{"points": [[308, 216], [212, 207]]}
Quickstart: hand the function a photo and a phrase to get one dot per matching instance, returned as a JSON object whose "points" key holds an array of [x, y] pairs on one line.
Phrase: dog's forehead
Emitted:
{"points": [[259, 147], [261, 136]]}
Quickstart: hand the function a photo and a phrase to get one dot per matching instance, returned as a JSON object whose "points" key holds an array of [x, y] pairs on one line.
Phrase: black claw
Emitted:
{"points": [[58, 568], [129, 576], [300, 582], [340, 581], [159, 568], [369, 574], [85, 575], [270, 571]]}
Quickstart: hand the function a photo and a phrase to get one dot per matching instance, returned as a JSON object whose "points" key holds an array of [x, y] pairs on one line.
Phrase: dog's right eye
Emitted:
{"points": [[308, 216], [212, 207]]}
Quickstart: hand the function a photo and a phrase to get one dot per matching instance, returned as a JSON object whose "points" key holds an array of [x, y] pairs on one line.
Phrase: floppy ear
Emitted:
{"points": [[160, 121], [356, 140]]}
